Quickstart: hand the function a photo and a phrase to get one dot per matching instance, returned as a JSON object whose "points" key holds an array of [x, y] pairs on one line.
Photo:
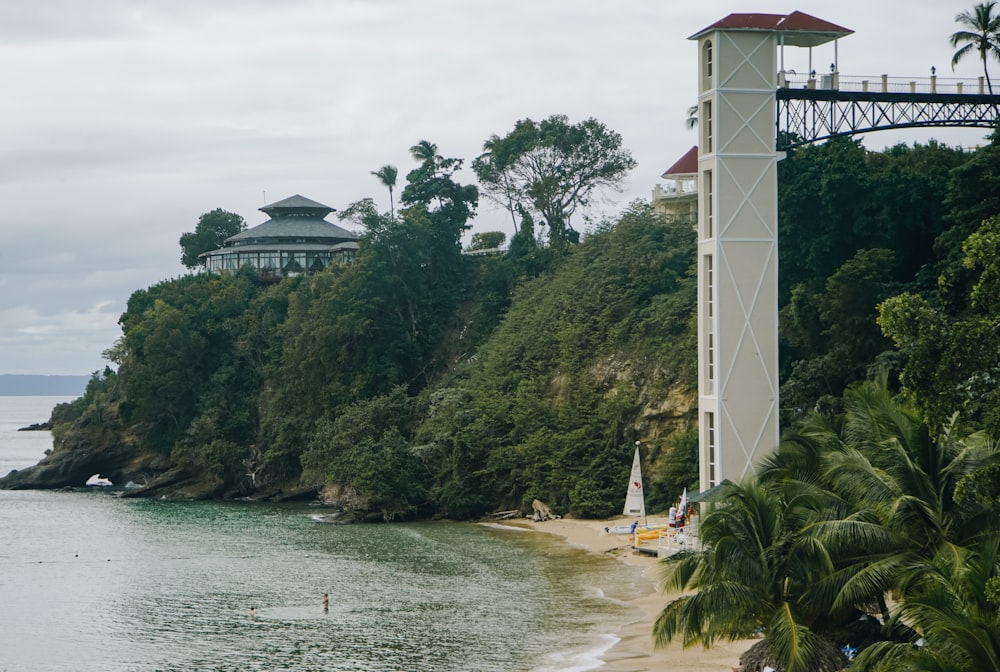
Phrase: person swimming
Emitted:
{"points": [[326, 602]]}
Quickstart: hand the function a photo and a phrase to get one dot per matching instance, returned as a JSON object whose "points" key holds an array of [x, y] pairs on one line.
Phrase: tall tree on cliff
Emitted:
{"points": [[357, 332], [387, 176], [209, 233], [552, 168]]}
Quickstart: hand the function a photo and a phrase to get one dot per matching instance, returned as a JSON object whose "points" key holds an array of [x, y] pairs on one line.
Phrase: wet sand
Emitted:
{"points": [[635, 651]]}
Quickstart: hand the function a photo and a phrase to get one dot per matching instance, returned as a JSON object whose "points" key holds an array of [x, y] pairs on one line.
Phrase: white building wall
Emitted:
{"points": [[738, 254]]}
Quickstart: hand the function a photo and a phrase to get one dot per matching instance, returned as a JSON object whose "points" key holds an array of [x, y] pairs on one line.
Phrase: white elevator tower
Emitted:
{"points": [[738, 75]]}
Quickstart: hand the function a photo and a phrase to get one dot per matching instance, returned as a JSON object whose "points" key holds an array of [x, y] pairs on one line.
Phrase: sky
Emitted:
{"points": [[122, 121]]}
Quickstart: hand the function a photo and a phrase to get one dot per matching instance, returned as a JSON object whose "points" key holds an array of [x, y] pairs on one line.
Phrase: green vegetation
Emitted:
{"points": [[551, 168], [849, 511], [209, 233]]}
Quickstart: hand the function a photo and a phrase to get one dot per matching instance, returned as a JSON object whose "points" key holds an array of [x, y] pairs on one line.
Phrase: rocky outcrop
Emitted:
{"points": [[93, 446], [71, 467], [540, 511], [36, 427]]}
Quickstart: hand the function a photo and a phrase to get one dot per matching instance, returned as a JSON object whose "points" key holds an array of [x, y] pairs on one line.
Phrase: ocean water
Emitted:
{"points": [[89, 581]]}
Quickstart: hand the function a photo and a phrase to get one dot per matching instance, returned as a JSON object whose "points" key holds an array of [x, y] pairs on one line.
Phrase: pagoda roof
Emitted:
{"points": [[297, 227], [258, 246], [295, 218], [297, 205], [799, 29], [686, 165]]}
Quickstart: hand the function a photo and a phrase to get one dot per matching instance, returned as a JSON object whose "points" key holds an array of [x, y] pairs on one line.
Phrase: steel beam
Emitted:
{"points": [[809, 115]]}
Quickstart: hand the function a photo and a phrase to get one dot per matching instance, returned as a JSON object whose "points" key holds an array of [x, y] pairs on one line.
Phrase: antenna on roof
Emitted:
{"points": [[264, 191]]}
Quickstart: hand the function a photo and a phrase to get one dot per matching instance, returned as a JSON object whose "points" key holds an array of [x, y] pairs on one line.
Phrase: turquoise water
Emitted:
{"points": [[89, 581]]}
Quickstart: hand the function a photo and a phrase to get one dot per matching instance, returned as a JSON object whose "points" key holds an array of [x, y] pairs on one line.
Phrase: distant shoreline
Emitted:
{"points": [[29, 385]]}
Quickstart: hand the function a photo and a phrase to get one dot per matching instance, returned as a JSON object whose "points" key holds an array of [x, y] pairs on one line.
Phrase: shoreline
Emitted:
{"points": [[634, 651]]}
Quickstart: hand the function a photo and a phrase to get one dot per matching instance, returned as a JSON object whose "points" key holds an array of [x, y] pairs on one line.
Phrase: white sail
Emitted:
{"points": [[635, 499]]}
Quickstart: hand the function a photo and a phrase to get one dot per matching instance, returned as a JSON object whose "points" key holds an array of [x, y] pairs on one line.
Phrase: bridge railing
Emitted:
{"points": [[882, 83]]}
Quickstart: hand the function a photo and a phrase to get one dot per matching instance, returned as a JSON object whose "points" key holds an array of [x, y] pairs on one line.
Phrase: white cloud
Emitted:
{"points": [[124, 120]]}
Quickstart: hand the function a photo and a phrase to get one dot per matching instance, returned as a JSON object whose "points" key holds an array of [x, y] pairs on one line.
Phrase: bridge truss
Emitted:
{"points": [[808, 115]]}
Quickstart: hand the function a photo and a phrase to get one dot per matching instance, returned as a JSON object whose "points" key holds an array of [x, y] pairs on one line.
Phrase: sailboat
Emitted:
{"points": [[635, 499]]}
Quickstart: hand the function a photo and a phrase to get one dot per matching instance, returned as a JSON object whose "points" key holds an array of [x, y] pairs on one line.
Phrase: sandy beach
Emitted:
{"points": [[635, 652]]}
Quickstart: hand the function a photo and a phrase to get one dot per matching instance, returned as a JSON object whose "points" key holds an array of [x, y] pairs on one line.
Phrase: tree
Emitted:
{"points": [[753, 574], [432, 182], [952, 603], [387, 176], [981, 26], [893, 515], [952, 363], [487, 240], [552, 167], [691, 121], [211, 231]]}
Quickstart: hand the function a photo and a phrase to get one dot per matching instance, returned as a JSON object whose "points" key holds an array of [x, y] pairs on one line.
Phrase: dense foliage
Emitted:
{"points": [[850, 512], [552, 168], [429, 381], [209, 233]]}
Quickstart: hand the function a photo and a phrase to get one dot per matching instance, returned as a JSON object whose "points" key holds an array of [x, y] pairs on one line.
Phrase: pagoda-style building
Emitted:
{"points": [[296, 239]]}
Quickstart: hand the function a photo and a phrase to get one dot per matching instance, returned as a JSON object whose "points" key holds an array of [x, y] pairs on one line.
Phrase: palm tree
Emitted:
{"points": [[980, 35], [387, 175], [903, 479], [951, 602], [754, 575], [423, 150], [692, 117], [903, 503]]}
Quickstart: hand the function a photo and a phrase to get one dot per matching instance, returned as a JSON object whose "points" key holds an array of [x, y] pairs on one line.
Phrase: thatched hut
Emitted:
{"points": [[758, 657]]}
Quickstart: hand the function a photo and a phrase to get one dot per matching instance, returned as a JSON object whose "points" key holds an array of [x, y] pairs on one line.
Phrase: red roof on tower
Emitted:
{"points": [[803, 29]]}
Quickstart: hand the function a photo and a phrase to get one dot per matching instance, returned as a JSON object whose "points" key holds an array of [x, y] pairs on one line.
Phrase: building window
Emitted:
{"points": [[317, 261], [269, 262], [710, 444], [709, 332], [708, 63], [709, 206], [709, 282], [706, 125], [292, 262]]}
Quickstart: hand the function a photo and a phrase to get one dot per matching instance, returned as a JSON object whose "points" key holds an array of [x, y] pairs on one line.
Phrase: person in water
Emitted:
{"points": [[326, 602], [253, 613]]}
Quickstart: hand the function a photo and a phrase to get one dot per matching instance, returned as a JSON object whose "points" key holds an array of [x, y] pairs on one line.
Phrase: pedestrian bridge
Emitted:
{"points": [[832, 105]]}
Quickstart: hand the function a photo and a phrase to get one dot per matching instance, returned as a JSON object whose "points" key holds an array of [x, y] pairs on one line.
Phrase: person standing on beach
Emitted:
{"points": [[326, 603]]}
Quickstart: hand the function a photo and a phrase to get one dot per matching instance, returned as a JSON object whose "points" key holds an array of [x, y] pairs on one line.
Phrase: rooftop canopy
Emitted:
{"points": [[294, 218], [686, 165], [297, 205], [798, 28]]}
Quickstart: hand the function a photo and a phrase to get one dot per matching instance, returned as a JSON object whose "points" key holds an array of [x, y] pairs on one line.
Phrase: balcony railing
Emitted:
{"points": [[835, 81], [669, 190]]}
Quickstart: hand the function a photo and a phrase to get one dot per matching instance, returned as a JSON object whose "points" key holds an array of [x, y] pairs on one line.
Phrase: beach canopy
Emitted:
{"points": [[709, 495]]}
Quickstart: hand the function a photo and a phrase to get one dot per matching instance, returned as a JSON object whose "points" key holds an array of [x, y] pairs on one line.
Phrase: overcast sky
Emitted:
{"points": [[122, 121]]}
